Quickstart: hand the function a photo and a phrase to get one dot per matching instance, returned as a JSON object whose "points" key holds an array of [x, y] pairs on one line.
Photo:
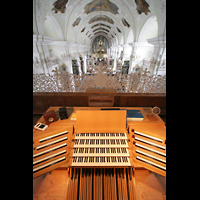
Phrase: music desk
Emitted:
{"points": [[142, 177]]}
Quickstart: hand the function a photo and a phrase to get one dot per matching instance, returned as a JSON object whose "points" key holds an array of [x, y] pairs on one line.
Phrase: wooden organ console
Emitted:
{"points": [[100, 150]]}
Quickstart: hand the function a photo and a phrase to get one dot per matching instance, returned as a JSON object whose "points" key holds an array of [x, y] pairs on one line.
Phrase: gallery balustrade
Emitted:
{"points": [[123, 83]]}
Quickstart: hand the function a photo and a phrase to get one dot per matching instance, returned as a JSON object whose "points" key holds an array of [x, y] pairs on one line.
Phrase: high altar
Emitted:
{"points": [[100, 50]]}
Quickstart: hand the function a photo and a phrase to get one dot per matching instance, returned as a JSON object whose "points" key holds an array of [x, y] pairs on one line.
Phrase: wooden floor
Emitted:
{"points": [[148, 186]]}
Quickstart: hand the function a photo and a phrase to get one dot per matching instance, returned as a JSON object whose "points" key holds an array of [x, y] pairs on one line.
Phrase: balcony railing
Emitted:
{"points": [[128, 83]]}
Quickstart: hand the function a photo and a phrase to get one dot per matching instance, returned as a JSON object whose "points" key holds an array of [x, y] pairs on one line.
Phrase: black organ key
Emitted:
{"points": [[74, 159], [82, 142], [87, 141], [122, 134], [75, 150], [91, 150], [76, 141], [107, 150], [102, 150], [102, 141], [92, 141], [86, 150], [86, 159]]}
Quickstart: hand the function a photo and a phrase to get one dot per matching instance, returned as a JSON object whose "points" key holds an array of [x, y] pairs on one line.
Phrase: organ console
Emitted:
{"points": [[100, 149]]}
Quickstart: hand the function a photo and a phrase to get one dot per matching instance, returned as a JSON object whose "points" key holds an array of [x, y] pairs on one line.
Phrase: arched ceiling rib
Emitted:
{"points": [[80, 12], [116, 7]]}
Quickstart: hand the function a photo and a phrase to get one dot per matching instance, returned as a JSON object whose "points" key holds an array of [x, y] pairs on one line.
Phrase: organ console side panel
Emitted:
{"points": [[148, 147], [52, 148]]}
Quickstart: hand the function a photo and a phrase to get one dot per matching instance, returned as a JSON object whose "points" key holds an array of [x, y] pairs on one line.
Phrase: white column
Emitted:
{"points": [[159, 47]]}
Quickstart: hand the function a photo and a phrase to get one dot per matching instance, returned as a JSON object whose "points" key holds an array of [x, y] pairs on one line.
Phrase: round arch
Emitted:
{"points": [[149, 29], [56, 26]]}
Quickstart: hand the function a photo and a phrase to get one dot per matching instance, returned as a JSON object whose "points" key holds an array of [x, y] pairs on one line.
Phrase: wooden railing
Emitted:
{"points": [[43, 100]]}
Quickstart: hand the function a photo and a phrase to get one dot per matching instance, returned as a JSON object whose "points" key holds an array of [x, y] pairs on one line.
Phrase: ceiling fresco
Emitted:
{"points": [[118, 30], [101, 18], [142, 7], [125, 22], [100, 28], [100, 24], [101, 5], [60, 5], [100, 32], [76, 23], [82, 30]]}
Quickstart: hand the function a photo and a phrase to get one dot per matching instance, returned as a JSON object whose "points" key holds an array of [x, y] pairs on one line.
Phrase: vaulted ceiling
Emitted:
{"points": [[80, 21]]}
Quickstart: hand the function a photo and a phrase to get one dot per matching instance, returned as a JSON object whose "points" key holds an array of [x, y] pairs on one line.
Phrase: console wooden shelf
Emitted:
{"points": [[100, 97]]}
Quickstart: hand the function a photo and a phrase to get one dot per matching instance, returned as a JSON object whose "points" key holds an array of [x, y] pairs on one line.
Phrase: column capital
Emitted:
{"points": [[158, 41]]}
